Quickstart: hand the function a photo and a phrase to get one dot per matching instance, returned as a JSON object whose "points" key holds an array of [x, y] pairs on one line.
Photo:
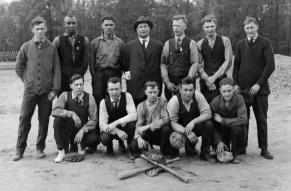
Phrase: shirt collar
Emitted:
{"points": [[115, 100], [213, 37], [37, 40], [67, 34], [255, 38], [142, 39], [102, 36], [150, 104], [80, 97], [181, 37]]}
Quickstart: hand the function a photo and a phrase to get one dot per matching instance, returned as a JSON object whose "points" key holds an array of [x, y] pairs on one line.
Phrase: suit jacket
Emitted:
{"points": [[142, 67]]}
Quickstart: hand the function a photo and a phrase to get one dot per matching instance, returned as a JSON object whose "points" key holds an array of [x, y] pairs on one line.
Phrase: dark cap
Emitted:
{"points": [[142, 19], [37, 20]]}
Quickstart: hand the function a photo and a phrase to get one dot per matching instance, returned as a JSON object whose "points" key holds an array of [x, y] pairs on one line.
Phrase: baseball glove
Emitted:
{"points": [[155, 155], [74, 158], [224, 157], [177, 140]]}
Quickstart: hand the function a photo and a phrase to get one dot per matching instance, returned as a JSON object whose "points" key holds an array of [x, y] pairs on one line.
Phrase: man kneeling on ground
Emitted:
{"points": [[230, 116], [152, 127], [117, 116], [190, 116], [71, 124]]}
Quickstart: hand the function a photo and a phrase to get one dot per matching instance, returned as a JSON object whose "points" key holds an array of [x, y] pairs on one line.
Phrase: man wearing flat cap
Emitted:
{"points": [[179, 58], [141, 59]]}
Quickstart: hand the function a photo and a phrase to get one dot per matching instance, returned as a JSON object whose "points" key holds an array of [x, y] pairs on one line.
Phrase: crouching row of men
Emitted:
{"points": [[187, 116]]}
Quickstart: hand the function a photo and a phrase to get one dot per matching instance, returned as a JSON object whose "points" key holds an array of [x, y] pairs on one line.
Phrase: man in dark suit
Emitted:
{"points": [[141, 59]]}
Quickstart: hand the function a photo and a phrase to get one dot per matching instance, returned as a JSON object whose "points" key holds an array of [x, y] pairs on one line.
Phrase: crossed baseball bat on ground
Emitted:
{"points": [[155, 164]]}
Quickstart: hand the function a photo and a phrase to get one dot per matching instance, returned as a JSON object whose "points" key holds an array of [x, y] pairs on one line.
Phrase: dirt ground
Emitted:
{"points": [[99, 172]]}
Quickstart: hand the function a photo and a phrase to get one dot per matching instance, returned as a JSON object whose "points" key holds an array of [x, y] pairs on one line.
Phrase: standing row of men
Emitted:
{"points": [[48, 69]]}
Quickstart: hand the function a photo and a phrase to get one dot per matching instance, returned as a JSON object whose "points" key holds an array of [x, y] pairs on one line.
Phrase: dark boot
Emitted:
{"points": [[265, 153]]}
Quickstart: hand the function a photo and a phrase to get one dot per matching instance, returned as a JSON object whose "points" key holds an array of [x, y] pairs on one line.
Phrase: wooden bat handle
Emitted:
{"points": [[185, 179], [128, 174]]}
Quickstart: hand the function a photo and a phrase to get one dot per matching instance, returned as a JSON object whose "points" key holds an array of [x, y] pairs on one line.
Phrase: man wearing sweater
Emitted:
{"points": [[230, 116], [38, 67], [253, 65]]}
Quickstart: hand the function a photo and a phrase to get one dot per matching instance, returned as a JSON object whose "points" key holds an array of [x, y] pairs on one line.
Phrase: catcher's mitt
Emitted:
{"points": [[139, 162], [177, 140], [155, 155], [224, 157], [74, 158]]}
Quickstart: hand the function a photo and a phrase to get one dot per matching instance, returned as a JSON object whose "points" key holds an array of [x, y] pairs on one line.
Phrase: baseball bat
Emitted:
{"points": [[185, 179], [130, 173]]}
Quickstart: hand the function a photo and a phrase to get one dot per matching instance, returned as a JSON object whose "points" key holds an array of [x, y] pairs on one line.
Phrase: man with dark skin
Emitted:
{"points": [[73, 49]]}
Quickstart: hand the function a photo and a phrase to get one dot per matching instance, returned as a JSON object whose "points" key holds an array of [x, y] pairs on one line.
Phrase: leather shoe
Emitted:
{"points": [[235, 160], [17, 156], [40, 154], [121, 147], [265, 153]]}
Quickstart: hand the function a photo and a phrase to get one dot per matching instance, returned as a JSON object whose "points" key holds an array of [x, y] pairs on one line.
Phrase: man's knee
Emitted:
{"points": [[92, 139], [166, 130], [237, 131], [58, 122], [105, 138]]}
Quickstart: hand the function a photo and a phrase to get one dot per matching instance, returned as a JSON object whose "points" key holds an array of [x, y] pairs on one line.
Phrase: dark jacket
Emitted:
{"points": [[142, 69]]}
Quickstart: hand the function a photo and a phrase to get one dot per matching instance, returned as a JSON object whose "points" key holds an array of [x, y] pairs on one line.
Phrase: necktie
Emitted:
{"points": [[144, 44], [178, 43], [77, 100], [252, 41], [114, 103]]}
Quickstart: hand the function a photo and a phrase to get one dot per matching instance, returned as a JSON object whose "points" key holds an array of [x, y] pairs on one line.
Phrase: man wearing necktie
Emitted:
{"points": [[253, 65], [179, 57], [75, 115], [141, 59], [117, 117], [216, 55], [38, 67], [73, 50]]}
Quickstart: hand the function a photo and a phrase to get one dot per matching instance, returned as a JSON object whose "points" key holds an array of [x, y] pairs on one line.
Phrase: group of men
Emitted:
{"points": [[141, 117]]}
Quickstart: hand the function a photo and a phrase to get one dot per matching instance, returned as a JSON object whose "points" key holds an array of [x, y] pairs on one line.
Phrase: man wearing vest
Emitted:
{"points": [[253, 65], [142, 60], [152, 127], [73, 50], [105, 58], [179, 57], [117, 117], [38, 67], [216, 53], [230, 116], [75, 115], [190, 116]]}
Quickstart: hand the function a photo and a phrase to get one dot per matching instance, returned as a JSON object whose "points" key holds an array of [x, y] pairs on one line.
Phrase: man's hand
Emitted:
{"points": [[154, 126], [171, 86], [237, 89], [189, 127], [192, 137], [127, 75], [212, 87], [77, 120], [142, 144], [254, 90], [51, 96], [210, 80], [217, 118], [79, 136], [121, 134], [220, 148]]}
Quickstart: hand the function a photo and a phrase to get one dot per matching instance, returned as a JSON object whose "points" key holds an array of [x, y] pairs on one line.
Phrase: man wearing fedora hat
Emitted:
{"points": [[179, 58], [141, 60]]}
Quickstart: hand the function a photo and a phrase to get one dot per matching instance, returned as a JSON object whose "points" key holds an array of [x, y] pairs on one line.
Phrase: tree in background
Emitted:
{"points": [[273, 15]]}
